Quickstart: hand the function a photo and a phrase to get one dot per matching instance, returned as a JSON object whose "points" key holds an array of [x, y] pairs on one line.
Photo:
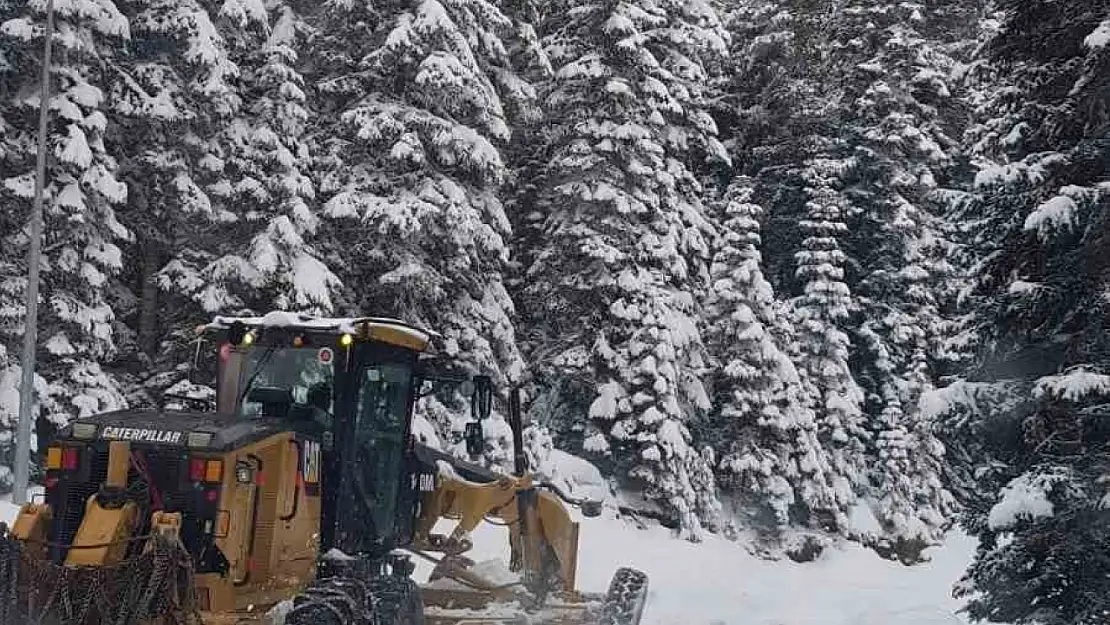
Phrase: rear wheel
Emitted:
{"points": [[624, 603]]}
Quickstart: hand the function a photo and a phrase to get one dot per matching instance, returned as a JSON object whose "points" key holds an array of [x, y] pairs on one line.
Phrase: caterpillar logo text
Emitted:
{"points": [[141, 435]]}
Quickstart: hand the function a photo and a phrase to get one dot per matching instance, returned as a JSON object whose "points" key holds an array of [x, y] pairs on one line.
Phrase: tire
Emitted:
{"points": [[625, 600], [397, 601], [346, 600], [336, 600]]}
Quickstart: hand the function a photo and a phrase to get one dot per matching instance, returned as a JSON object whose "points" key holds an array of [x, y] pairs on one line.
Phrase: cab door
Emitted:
{"points": [[375, 465]]}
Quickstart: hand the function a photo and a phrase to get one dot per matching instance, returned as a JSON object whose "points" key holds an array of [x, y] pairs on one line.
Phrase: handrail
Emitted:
{"points": [[296, 486]]}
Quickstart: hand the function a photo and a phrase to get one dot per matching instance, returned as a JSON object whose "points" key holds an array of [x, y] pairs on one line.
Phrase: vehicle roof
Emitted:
{"points": [[384, 329]]}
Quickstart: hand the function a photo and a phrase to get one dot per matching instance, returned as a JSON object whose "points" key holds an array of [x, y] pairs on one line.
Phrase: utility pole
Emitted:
{"points": [[34, 251]]}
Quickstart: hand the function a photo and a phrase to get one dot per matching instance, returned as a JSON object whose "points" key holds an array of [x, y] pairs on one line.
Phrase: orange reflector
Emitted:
{"points": [[54, 458], [213, 471]]}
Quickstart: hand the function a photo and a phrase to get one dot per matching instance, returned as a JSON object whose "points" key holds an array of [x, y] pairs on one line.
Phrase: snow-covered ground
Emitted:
{"points": [[718, 582]]}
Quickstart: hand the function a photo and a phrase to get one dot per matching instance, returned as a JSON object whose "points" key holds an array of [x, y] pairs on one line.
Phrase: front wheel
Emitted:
{"points": [[396, 600], [336, 600]]}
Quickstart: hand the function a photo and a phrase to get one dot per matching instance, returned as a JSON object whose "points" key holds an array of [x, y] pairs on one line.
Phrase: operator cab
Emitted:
{"points": [[351, 384]]}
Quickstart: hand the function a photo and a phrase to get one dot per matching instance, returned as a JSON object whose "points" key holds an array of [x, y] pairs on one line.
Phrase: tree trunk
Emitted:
{"points": [[148, 299]]}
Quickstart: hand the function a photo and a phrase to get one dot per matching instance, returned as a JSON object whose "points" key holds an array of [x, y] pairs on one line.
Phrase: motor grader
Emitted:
{"points": [[300, 495]]}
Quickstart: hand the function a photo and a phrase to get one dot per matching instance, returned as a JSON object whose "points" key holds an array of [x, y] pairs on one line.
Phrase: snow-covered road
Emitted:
{"points": [[718, 583]]}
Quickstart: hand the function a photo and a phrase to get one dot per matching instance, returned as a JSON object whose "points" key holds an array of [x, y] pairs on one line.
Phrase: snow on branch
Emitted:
{"points": [[1073, 385], [1026, 496], [1100, 37]]}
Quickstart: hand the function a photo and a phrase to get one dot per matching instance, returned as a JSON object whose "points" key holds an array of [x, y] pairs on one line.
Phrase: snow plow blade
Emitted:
{"points": [[623, 604], [468, 596]]}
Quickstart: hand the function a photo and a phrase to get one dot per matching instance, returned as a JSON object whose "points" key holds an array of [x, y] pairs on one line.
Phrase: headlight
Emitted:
{"points": [[198, 439], [84, 431]]}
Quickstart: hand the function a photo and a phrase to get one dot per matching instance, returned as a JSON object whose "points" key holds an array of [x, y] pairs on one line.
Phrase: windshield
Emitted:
{"points": [[307, 372]]}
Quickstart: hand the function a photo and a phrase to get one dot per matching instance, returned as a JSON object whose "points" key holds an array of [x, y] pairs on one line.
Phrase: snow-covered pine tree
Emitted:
{"points": [[174, 94], [821, 313], [895, 87], [409, 166], [1040, 147], [271, 196], [611, 291], [81, 253], [177, 100], [749, 102], [769, 456]]}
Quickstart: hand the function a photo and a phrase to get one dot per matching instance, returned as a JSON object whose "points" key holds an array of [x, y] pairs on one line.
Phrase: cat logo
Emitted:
{"points": [[310, 462]]}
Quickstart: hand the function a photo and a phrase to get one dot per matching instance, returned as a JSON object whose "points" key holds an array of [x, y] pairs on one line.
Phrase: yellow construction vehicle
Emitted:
{"points": [[301, 496]]}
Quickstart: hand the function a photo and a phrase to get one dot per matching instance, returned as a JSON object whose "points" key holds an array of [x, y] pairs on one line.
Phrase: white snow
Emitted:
{"points": [[718, 582], [1100, 37], [574, 476], [336, 554], [605, 405], [862, 520], [1022, 287], [281, 319], [22, 186], [1025, 497], [1072, 385], [75, 148], [243, 12], [1056, 213]]}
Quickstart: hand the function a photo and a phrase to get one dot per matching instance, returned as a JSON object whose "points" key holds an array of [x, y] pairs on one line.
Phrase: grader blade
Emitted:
{"points": [[485, 595]]}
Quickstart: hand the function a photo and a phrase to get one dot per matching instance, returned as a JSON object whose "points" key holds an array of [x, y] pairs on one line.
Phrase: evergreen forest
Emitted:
{"points": [[773, 266]]}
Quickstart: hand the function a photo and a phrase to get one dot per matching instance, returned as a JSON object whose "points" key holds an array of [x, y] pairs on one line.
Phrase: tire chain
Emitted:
{"points": [[156, 584], [338, 600], [392, 596], [345, 600]]}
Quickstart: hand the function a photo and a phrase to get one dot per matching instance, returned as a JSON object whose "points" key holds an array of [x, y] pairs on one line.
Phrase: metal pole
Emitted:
{"points": [[34, 250]]}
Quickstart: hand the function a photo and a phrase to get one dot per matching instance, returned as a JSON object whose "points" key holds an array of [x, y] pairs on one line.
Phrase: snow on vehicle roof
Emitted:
{"points": [[349, 325]]}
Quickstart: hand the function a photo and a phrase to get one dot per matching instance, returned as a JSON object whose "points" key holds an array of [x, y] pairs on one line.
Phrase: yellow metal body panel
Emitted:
{"points": [[32, 521], [102, 537], [32, 525], [267, 528], [119, 461], [396, 335], [551, 531]]}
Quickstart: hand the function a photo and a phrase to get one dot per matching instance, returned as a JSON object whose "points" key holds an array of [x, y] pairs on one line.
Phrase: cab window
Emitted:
{"points": [[307, 372], [382, 402]]}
